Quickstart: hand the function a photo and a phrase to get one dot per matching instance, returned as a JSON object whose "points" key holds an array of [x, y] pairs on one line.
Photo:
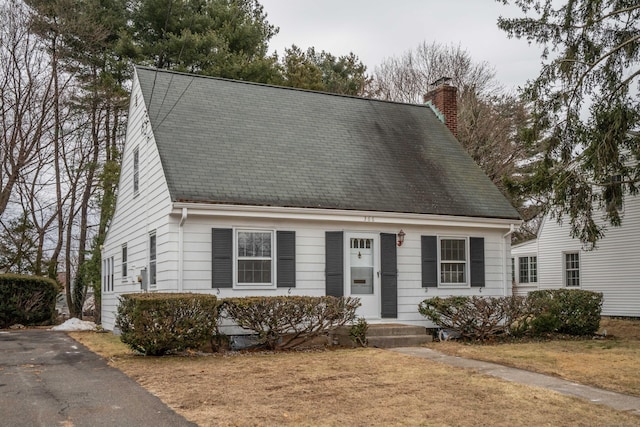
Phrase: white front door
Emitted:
{"points": [[363, 273]]}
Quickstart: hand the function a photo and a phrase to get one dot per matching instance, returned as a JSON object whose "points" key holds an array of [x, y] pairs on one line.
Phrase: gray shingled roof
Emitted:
{"points": [[223, 141]]}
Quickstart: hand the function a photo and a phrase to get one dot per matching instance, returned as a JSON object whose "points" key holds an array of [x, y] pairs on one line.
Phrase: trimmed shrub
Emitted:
{"points": [[158, 323], [567, 311], [477, 318], [29, 300], [284, 322]]}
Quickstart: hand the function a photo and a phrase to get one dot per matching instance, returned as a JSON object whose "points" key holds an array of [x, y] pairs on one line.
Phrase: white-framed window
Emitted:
{"points": [[107, 274], [572, 269], [136, 171], [124, 262], [152, 258], [254, 258], [453, 256], [528, 269]]}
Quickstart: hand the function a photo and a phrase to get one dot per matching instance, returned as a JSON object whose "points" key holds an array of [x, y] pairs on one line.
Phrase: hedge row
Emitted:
{"points": [[565, 311], [28, 300], [159, 323]]}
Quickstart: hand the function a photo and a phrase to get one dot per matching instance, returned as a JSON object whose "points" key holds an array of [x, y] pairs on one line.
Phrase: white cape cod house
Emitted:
{"points": [[556, 260], [240, 189]]}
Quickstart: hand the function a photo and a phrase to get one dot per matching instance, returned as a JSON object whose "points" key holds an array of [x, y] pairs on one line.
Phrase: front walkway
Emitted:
{"points": [[619, 401]]}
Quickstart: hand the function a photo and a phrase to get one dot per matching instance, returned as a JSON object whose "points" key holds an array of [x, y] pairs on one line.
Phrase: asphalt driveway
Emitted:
{"points": [[49, 379]]}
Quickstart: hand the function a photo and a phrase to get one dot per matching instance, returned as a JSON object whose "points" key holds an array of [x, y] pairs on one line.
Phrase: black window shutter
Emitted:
{"points": [[222, 257], [476, 249], [389, 273], [429, 261], [334, 263], [286, 247]]}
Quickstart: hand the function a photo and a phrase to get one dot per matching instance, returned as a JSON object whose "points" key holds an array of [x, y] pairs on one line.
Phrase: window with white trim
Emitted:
{"points": [[572, 269], [152, 258], [254, 257], [124, 263], [107, 275], [136, 172], [528, 269], [453, 261]]}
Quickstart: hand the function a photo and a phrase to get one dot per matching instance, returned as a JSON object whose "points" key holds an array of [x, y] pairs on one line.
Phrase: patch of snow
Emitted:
{"points": [[75, 324]]}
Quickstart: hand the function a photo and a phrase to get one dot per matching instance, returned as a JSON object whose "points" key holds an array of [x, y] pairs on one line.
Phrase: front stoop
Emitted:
{"points": [[388, 336]]}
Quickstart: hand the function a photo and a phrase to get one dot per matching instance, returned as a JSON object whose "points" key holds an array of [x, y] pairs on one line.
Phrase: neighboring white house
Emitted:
{"points": [[239, 189], [555, 260]]}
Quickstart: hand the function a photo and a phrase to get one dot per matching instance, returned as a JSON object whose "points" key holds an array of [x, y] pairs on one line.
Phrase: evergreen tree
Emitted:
{"points": [[224, 38], [587, 93]]}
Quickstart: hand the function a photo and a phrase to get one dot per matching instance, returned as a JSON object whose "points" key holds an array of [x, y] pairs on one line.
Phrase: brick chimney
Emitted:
{"points": [[444, 98]]}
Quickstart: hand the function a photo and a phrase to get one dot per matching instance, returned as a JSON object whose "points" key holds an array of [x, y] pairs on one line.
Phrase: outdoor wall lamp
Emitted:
{"points": [[401, 235]]}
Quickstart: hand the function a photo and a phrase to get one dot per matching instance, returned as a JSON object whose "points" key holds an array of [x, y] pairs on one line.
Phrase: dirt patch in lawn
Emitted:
{"points": [[611, 362], [343, 387]]}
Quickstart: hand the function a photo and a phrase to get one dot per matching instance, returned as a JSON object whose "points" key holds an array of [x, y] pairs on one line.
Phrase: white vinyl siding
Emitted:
{"points": [[310, 259], [136, 216], [613, 268]]}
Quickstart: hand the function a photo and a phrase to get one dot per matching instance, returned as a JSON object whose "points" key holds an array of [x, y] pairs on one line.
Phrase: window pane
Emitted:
{"points": [[136, 169], [111, 274], [152, 246], [533, 269], [524, 270], [452, 250], [452, 273], [252, 244], [152, 259], [254, 271], [152, 273], [124, 262]]}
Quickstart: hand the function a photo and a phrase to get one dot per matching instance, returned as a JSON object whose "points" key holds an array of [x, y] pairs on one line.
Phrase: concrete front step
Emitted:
{"points": [[392, 329], [398, 341], [387, 336]]}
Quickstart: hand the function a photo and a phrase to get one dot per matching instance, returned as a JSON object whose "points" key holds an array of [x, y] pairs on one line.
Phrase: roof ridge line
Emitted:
{"points": [[268, 85]]}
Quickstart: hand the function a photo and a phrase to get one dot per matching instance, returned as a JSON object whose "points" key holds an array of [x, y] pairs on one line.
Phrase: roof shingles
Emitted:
{"points": [[223, 141]]}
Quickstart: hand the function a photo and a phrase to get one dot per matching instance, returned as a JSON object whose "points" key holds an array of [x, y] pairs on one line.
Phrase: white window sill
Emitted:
{"points": [[254, 286], [454, 286]]}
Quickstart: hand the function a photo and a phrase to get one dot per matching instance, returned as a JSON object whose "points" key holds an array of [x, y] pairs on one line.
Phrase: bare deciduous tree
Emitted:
{"points": [[408, 77], [492, 124], [25, 97]]}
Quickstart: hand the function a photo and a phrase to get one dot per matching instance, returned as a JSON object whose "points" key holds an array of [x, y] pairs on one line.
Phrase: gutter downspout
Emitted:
{"points": [[512, 229], [183, 219]]}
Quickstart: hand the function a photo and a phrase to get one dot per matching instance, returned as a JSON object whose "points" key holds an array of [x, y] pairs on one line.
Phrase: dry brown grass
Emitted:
{"points": [[612, 363], [343, 387]]}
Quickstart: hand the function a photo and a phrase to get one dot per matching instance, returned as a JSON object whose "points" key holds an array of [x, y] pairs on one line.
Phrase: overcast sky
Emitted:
{"points": [[378, 29]]}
